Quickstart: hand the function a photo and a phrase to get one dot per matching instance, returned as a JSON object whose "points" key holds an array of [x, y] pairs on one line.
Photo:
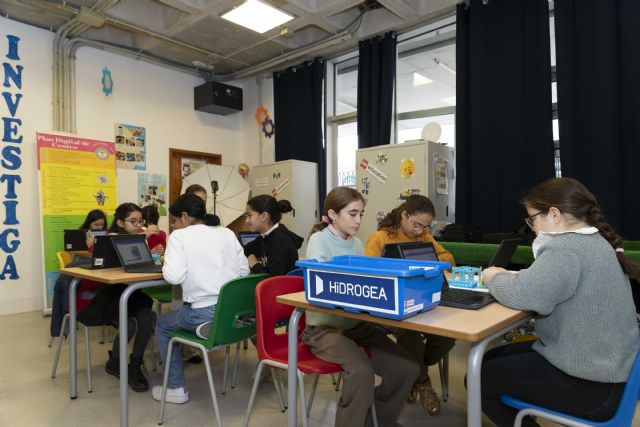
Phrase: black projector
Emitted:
{"points": [[217, 98]]}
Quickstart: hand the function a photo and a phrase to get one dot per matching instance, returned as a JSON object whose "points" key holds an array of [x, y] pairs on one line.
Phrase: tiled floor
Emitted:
{"points": [[29, 397]]}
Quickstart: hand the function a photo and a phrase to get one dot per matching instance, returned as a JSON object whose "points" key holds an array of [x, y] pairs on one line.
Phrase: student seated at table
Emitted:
{"points": [[339, 340], [275, 252], [579, 287], [96, 220], [201, 256], [411, 222], [156, 238], [104, 308], [198, 190]]}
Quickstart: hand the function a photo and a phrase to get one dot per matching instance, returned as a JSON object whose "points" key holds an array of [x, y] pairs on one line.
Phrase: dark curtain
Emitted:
{"points": [[376, 76], [598, 69], [297, 99], [504, 138]]}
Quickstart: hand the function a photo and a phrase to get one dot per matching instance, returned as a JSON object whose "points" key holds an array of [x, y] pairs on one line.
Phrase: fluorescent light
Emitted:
{"points": [[419, 80], [449, 100], [445, 66], [257, 16]]}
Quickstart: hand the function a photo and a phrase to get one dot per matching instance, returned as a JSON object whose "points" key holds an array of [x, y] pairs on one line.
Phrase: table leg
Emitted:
{"points": [[474, 366], [124, 348], [73, 324], [292, 377]]}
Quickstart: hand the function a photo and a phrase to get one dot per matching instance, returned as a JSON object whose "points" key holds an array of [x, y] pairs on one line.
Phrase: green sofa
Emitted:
{"points": [[481, 253]]}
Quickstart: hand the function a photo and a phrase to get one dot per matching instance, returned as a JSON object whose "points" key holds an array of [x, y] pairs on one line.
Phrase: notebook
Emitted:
{"points": [[75, 240], [247, 237], [134, 254], [104, 255]]}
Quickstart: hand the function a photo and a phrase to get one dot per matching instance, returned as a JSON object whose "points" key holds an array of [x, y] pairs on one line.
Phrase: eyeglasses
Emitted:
{"points": [[135, 221], [529, 220], [417, 225]]}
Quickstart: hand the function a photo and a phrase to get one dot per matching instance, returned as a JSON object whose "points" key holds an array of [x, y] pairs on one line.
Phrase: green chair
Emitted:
{"points": [[233, 322]]}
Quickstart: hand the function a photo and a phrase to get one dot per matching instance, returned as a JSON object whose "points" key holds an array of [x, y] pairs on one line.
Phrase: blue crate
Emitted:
{"points": [[383, 287]]}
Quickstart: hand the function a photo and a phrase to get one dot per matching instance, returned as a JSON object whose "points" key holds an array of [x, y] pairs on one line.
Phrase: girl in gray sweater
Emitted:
{"points": [[586, 325]]}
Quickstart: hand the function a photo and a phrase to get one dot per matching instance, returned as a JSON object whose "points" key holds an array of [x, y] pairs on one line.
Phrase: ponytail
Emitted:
{"points": [[596, 219], [211, 220], [274, 208]]}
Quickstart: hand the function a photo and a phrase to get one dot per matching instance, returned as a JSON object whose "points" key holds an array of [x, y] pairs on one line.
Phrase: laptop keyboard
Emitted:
{"points": [[459, 295]]}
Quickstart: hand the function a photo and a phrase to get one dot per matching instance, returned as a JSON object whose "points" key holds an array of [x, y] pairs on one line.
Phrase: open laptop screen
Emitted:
{"points": [[132, 250], [422, 251], [247, 237]]}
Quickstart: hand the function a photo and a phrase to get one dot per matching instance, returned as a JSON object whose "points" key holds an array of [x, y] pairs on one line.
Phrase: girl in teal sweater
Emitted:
{"points": [[339, 340]]}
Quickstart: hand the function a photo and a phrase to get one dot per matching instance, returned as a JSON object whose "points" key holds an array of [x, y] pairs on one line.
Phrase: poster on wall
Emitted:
{"points": [[189, 166], [131, 146], [152, 190], [77, 175]]}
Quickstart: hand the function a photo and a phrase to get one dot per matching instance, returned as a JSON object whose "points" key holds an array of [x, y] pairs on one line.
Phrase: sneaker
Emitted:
{"points": [[113, 366], [174, 395], [195, 359], [428, 398], [202, 331]]}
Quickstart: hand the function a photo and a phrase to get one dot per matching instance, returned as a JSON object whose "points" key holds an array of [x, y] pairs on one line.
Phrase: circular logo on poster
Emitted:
{"points": [[102, 153]]}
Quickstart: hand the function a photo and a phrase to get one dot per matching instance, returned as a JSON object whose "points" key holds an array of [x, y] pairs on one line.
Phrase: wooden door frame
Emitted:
{"points": [[175, 167]]}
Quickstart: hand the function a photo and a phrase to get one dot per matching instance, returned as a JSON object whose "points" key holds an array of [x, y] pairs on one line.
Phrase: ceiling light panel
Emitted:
{"points": [[257, 16]]}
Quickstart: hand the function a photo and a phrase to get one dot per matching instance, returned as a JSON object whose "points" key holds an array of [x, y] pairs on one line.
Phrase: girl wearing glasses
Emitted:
{"points": [[339, 340], [579, 286], [411, 222], [104, 308]]}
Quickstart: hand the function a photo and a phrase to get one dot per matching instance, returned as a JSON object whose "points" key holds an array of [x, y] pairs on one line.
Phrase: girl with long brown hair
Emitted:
{"points": [[587, 330]]}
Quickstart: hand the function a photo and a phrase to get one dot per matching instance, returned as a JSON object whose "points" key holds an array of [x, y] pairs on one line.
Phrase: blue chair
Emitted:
{"points": [[622, 417]]}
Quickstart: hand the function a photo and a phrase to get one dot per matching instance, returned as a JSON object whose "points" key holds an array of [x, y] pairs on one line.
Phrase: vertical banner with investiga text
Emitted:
{"points": [[77, 175]]}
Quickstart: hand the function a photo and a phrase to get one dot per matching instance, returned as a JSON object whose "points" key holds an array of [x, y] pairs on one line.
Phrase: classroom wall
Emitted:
{"points": [[159, 99]]}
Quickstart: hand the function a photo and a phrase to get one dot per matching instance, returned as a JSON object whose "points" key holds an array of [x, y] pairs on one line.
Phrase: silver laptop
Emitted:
{"points": [[134, 253]]}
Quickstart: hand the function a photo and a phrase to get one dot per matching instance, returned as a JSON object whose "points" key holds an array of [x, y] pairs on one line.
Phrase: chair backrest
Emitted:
{"points": [[64, 258], [269, 312], [296, 272], [236, 301], [631, 395]]}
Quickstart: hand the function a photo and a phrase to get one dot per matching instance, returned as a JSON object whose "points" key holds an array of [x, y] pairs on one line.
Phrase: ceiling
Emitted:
{"points": [[181, 33]]}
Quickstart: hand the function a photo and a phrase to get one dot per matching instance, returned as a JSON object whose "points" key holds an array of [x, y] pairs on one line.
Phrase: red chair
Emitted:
{"points": [[272, 346]]}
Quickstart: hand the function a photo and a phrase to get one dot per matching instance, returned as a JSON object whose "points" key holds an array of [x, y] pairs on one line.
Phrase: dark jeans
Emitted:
{"points": [[521, 372]]}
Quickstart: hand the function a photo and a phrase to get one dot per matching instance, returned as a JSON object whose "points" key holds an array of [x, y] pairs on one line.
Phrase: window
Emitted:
{"points": [[426, 83], [346, 86]]}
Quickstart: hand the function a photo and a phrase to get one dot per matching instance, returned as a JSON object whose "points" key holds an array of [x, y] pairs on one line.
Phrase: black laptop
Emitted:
{"points": [[104, 255], [247, 237], [75, 240], [134, 254], [473, 299], [470, 299]]}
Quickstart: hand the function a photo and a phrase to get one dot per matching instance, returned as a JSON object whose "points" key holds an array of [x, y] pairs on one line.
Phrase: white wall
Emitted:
{"points": [[159, 99], [34, 110]]}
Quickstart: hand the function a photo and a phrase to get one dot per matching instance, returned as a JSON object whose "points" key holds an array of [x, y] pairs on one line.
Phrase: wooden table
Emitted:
{"points": [[479, 327], [109, 276]]}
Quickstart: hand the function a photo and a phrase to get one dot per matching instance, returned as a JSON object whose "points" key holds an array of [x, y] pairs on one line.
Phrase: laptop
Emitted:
{"points": [[469, 299], [134, 254], [75, 240], [104, 255], [247, 237]]}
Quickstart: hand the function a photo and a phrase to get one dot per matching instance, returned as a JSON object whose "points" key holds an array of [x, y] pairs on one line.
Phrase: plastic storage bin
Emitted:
{"points": [[383, 287]]}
